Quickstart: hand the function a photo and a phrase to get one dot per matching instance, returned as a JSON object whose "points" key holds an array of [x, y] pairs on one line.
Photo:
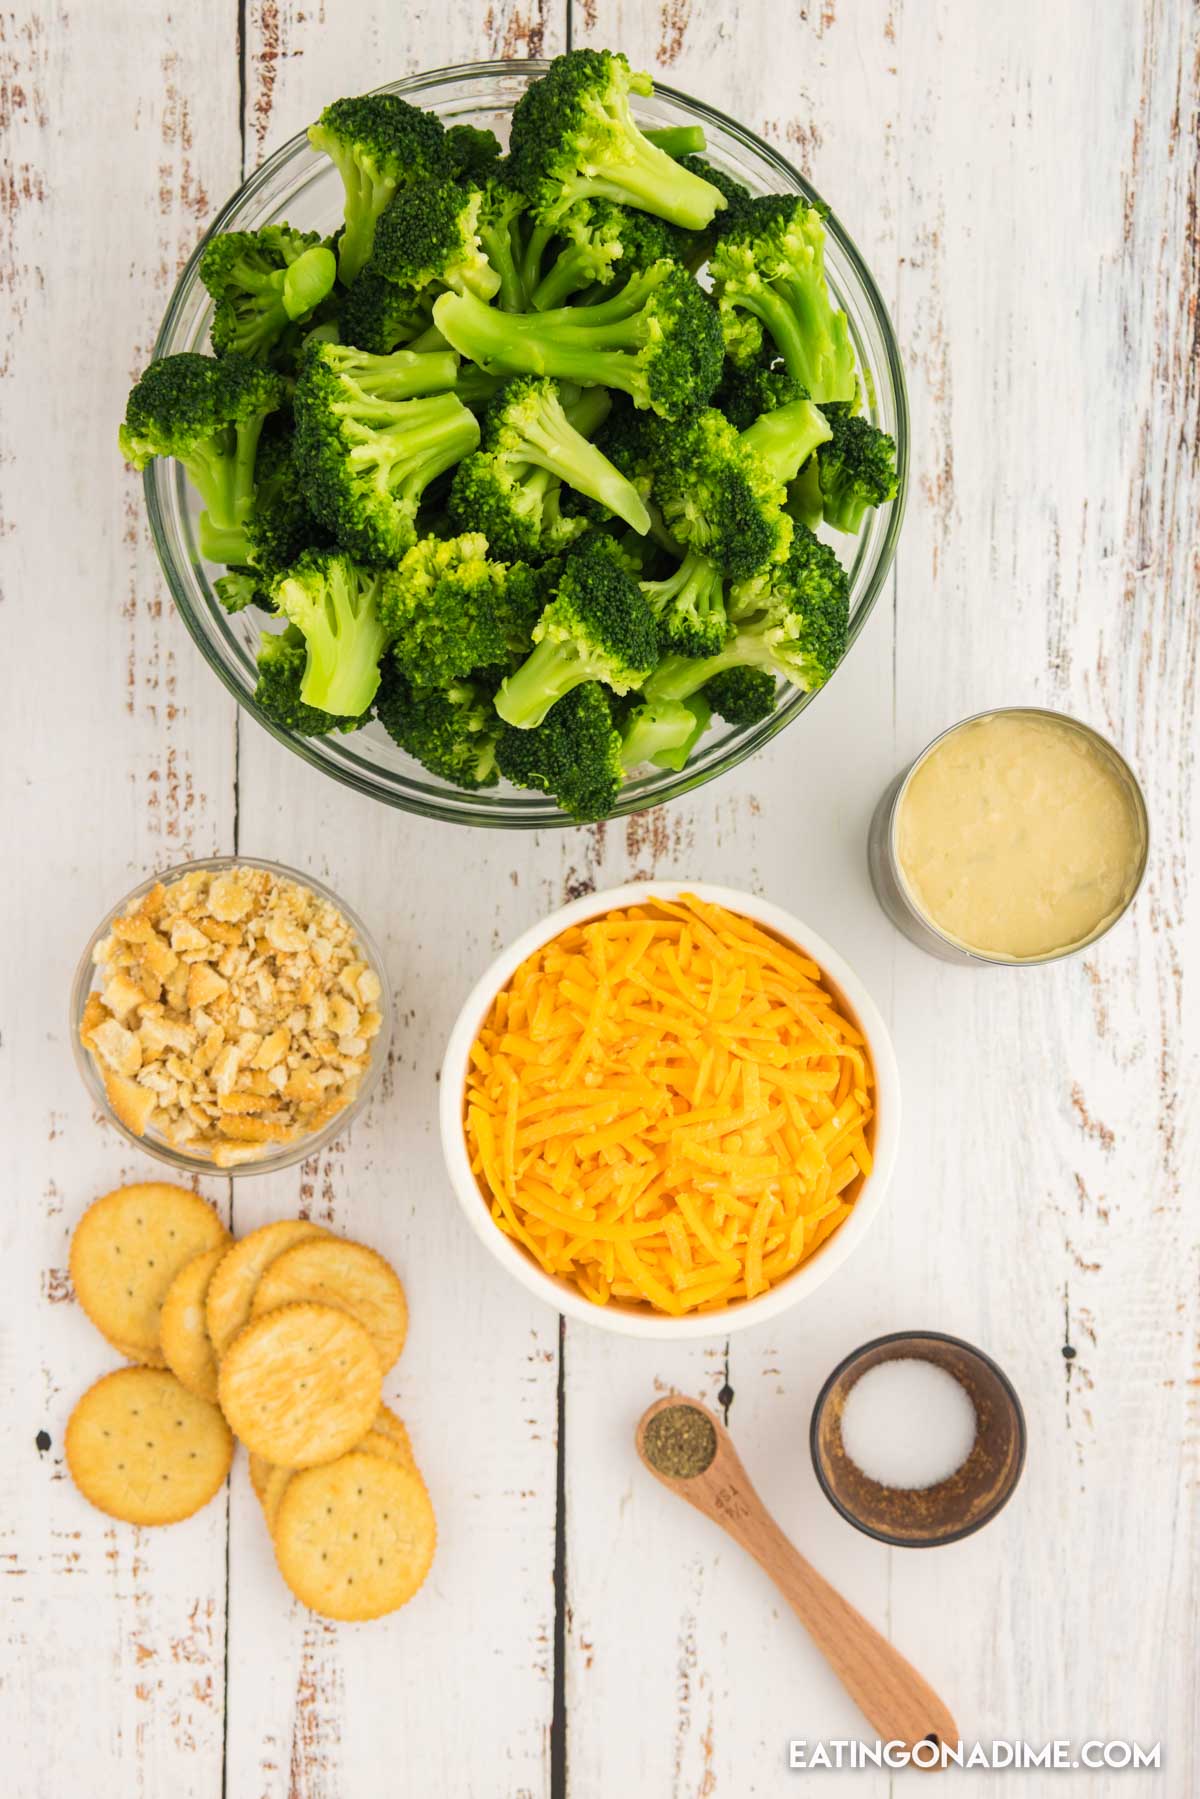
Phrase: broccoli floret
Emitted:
{"points": [[745, 393], [664, 732], [378, 143], [238, 588], [282, 661], [262, 282], [208, 414], [452, 731], [377, 315], [689, 606], [722, 491], [530, 447], [856, 468], [574, 754], [502, 236], [741, 696], [471, 153], [281, 523], [366, 452], [597, 627], [768, 270], [791, 620], [716, 496], [334, 602], [449, 610], [657, 340], [574, 137], [427, 242], [601, 243]]}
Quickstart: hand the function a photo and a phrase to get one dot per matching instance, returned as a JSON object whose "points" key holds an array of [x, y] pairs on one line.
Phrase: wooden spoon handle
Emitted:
{"points": [[888, 1690]]}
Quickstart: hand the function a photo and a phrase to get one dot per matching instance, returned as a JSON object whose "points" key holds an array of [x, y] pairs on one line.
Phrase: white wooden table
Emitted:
{"points": [[1023, 181]]}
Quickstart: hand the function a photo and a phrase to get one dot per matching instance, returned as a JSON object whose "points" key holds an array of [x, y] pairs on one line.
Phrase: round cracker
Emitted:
{"points": [[269, 1482], [259, 1468], [355, 1538], [274, 1488], [328, 1271], [186, 1344], [231, 1290], [375, 1443], [127, 1249], [142, 1448], [300, 1385]]}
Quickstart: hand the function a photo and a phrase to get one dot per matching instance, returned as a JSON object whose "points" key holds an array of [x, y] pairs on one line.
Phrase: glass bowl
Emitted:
{"points": [[298, 185], [189, 1161]]}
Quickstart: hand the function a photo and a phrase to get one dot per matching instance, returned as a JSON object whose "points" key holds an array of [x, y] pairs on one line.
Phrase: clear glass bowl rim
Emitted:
{"points": [[83, 982], [532, 812]]}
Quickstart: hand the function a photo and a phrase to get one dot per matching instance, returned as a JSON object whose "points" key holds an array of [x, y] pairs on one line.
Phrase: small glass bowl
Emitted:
{"points": [[303, 188], [287, 1153], [923, 1517]]}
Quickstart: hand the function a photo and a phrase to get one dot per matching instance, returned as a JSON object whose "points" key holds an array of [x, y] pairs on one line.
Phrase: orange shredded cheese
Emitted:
{"points": [[666, 1107]]}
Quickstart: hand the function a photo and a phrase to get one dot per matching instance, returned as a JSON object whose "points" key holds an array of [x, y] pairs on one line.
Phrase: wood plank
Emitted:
{"points": [[457, 1689], [118, 759], [931, 135]]}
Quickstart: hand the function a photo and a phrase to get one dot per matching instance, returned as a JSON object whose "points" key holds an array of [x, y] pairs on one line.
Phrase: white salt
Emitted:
{"points": [[908, 1423]]}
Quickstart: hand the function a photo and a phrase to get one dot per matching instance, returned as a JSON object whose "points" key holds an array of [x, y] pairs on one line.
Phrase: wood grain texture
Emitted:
{"points": [[1023, 184]]}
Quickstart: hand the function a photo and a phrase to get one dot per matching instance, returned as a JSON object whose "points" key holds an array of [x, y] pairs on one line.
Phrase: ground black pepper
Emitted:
{"points": [[680, 1441]]}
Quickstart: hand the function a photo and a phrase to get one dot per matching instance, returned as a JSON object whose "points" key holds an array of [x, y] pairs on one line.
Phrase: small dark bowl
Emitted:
{"points": [[922, 1517]]}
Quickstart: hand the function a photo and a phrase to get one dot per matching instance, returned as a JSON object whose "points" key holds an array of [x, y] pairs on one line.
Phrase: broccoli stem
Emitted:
{"points": [[804, 499], [679, 677], [567, 454], [677, 140], [500, 244], [786, 438], [219, 543], [548, 673], [540, 239], [650, 179], [656, 731], [593, 353], [222, 470], [570, 273], [308, 280]]}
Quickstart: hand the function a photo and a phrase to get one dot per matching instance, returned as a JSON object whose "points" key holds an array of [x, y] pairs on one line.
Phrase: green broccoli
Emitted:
{"points": [[574, 754], [238, 588], [768, 270], [531, 444], [378, 143], [745, 393], [597, 627], [282, 661], [722, 491], [472, 154], [335, 604], [502, 234], [698, 245], [574, 137], [448, 610], [656, 340], [856, 468], [689, 606], [741, 696], [279, 526], [366, 452], [377, 315], [208, 414], [677, 140], [263, 282], [664, 732], [427, 242], [451, 731], [804, 496], [602, 242], [791, 620]]}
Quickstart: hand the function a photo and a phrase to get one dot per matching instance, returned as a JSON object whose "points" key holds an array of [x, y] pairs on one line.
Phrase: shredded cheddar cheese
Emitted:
{"points": [[666, 1107]]}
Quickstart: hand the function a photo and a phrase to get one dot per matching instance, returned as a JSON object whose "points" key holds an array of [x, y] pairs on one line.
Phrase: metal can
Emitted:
{"points": [[896, 897]]}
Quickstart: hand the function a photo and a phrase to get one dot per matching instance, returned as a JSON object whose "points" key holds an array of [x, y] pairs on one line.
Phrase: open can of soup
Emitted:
{"points": [[1017, 837]]}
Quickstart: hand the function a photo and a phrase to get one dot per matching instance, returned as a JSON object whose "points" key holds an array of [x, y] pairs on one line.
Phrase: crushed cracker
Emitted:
{"points": [[234, 1013]]}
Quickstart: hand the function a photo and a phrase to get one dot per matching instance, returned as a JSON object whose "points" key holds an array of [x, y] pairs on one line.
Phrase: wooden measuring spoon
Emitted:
{"points": [[888, 1690]]}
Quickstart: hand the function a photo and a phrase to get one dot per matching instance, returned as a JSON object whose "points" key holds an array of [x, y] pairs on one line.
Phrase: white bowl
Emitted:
{"points": [[631, 1321]]}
